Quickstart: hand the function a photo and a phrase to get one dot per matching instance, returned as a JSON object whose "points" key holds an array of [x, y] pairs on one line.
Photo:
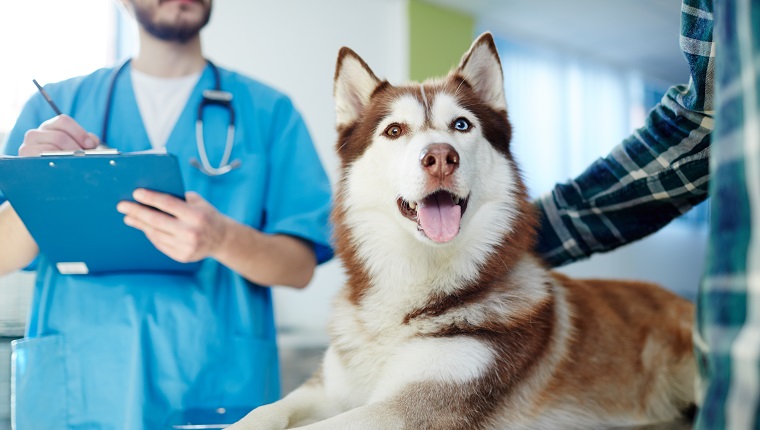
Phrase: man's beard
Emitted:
{"points": [[170, 32]]}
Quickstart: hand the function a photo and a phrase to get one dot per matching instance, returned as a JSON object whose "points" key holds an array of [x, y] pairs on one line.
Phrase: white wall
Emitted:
{"points": [[292, 45]]}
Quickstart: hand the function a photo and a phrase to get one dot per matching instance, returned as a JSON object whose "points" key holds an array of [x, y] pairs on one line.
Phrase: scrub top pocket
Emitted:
{"points": [[38, 383]]}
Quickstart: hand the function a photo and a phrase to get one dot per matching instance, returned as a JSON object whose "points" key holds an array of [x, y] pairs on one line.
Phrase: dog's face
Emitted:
{"points": [[427, 161]]}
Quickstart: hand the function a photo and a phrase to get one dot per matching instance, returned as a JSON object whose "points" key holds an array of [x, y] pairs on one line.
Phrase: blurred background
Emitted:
{"points": [[579, 77]]}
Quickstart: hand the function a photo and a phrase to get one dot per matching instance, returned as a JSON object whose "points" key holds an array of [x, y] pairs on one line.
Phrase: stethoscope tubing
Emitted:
{"points": [[210, 97]]}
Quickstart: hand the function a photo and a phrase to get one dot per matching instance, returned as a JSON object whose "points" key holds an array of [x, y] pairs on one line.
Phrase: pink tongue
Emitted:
{"points": [[439, 217]]}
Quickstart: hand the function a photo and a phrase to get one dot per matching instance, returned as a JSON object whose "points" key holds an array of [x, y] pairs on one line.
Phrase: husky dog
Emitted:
{"points": [[448, 320]]}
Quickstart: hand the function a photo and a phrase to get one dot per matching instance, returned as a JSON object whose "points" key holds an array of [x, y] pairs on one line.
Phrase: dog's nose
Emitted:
{"points": [[439, 159]]}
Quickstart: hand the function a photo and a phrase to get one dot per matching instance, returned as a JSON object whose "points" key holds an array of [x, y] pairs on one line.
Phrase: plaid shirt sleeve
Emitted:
{"points": [[727, 335], [653, 176]]}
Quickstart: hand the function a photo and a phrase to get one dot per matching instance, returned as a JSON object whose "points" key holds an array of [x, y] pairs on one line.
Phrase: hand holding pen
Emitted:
{"points": [[60, 133]]}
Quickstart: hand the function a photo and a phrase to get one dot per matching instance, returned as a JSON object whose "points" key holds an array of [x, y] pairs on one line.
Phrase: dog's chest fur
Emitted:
{"points": [[393, 339]]}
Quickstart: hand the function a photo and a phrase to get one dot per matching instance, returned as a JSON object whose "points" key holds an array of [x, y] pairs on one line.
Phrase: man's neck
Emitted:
{"points": [[168, 59]]}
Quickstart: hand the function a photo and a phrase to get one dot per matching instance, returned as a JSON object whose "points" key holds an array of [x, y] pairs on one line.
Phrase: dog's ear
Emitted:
{"points": [[354, 84], [481, 68]]}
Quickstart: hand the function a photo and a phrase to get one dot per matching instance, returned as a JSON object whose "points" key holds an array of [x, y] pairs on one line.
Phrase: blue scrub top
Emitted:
{"points": [[143, 350]]}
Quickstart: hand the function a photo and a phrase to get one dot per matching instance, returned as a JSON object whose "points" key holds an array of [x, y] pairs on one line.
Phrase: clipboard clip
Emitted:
{"points": [[81, 152]]}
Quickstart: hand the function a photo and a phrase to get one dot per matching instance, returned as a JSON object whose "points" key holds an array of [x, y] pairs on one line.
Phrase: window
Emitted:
{"points": [[51, 40], [565, 112]]}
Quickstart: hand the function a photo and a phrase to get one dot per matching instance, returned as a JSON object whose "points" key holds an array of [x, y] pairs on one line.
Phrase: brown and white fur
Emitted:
{"points": [[452, 322]]}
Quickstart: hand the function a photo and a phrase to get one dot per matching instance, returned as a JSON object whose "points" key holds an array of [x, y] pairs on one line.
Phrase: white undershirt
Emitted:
{"points": [[161, 101]]}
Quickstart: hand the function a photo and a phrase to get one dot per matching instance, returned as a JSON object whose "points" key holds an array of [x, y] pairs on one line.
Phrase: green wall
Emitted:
{"points": [[438, 37]]}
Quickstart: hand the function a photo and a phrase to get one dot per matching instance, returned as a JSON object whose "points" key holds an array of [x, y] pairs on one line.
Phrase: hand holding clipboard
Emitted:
{"points": [[60, 180], [68, 204]]}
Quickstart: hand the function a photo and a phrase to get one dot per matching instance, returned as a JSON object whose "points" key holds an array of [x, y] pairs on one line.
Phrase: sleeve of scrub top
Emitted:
{"points": [[29, 118], [298, 198], [32, 115]]}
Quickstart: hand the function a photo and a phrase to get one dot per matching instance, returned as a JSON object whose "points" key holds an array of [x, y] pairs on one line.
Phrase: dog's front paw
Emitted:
{"points": [[265, 417]]}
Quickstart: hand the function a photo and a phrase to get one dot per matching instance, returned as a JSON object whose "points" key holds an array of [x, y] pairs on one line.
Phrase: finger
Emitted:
{"points": [[54, 138], [195, 200], [151, 217], [149, 230], [168, 246], [169, 251], [70, 127], [94, 138], [165, 202], [163, 241], [184, 238], [33, 150], [187, 224], [193, 197]]}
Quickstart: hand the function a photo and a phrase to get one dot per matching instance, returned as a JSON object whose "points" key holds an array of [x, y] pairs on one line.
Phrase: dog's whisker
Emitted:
{"points": [[340, 148], [424, 98], [456, 91]]}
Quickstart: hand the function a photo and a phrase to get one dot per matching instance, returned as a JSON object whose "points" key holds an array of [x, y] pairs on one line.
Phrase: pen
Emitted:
{"points": [[58, 111], [47, 97]]}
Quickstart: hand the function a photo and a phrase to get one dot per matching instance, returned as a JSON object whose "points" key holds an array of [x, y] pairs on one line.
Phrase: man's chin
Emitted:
{"points": [[180, 24], [199, 2]]}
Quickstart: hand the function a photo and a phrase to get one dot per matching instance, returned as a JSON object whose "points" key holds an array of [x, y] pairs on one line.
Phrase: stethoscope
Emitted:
{"points": [[210, 97]]}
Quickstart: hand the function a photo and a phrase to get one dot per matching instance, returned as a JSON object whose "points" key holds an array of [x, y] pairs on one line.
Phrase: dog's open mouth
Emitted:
{"points": [[438, 216]]}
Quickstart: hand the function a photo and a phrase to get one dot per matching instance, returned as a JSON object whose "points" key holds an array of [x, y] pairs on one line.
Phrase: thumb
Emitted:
{"points": [[92, 141], [194, 199]]}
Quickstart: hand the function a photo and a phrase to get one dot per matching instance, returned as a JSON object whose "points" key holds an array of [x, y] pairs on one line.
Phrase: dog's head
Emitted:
{"points": [[427, 161]]}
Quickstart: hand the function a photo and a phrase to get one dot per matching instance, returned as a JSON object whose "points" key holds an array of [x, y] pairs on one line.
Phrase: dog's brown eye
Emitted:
{"points": [[394, 130]]}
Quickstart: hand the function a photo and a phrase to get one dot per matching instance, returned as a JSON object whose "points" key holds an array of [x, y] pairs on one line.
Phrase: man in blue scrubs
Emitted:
{"points": [[150, 350]]}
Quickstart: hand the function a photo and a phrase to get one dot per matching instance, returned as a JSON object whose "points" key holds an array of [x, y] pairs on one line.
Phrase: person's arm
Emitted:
{"points": [[30, 138], [294, 237], [193, 229], [267, 259], [652, 177], [18, 249]]}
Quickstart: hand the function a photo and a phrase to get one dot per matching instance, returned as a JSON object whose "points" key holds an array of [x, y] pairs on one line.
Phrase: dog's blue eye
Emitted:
{"points": [[461, 124]]}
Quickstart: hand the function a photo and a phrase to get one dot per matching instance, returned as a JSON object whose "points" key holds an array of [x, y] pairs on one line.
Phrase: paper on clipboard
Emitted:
{"points": [[68, 204]]}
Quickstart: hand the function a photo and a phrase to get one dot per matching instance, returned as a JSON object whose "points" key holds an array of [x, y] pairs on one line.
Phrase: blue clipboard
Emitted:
{"points": [[68, 204]]}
